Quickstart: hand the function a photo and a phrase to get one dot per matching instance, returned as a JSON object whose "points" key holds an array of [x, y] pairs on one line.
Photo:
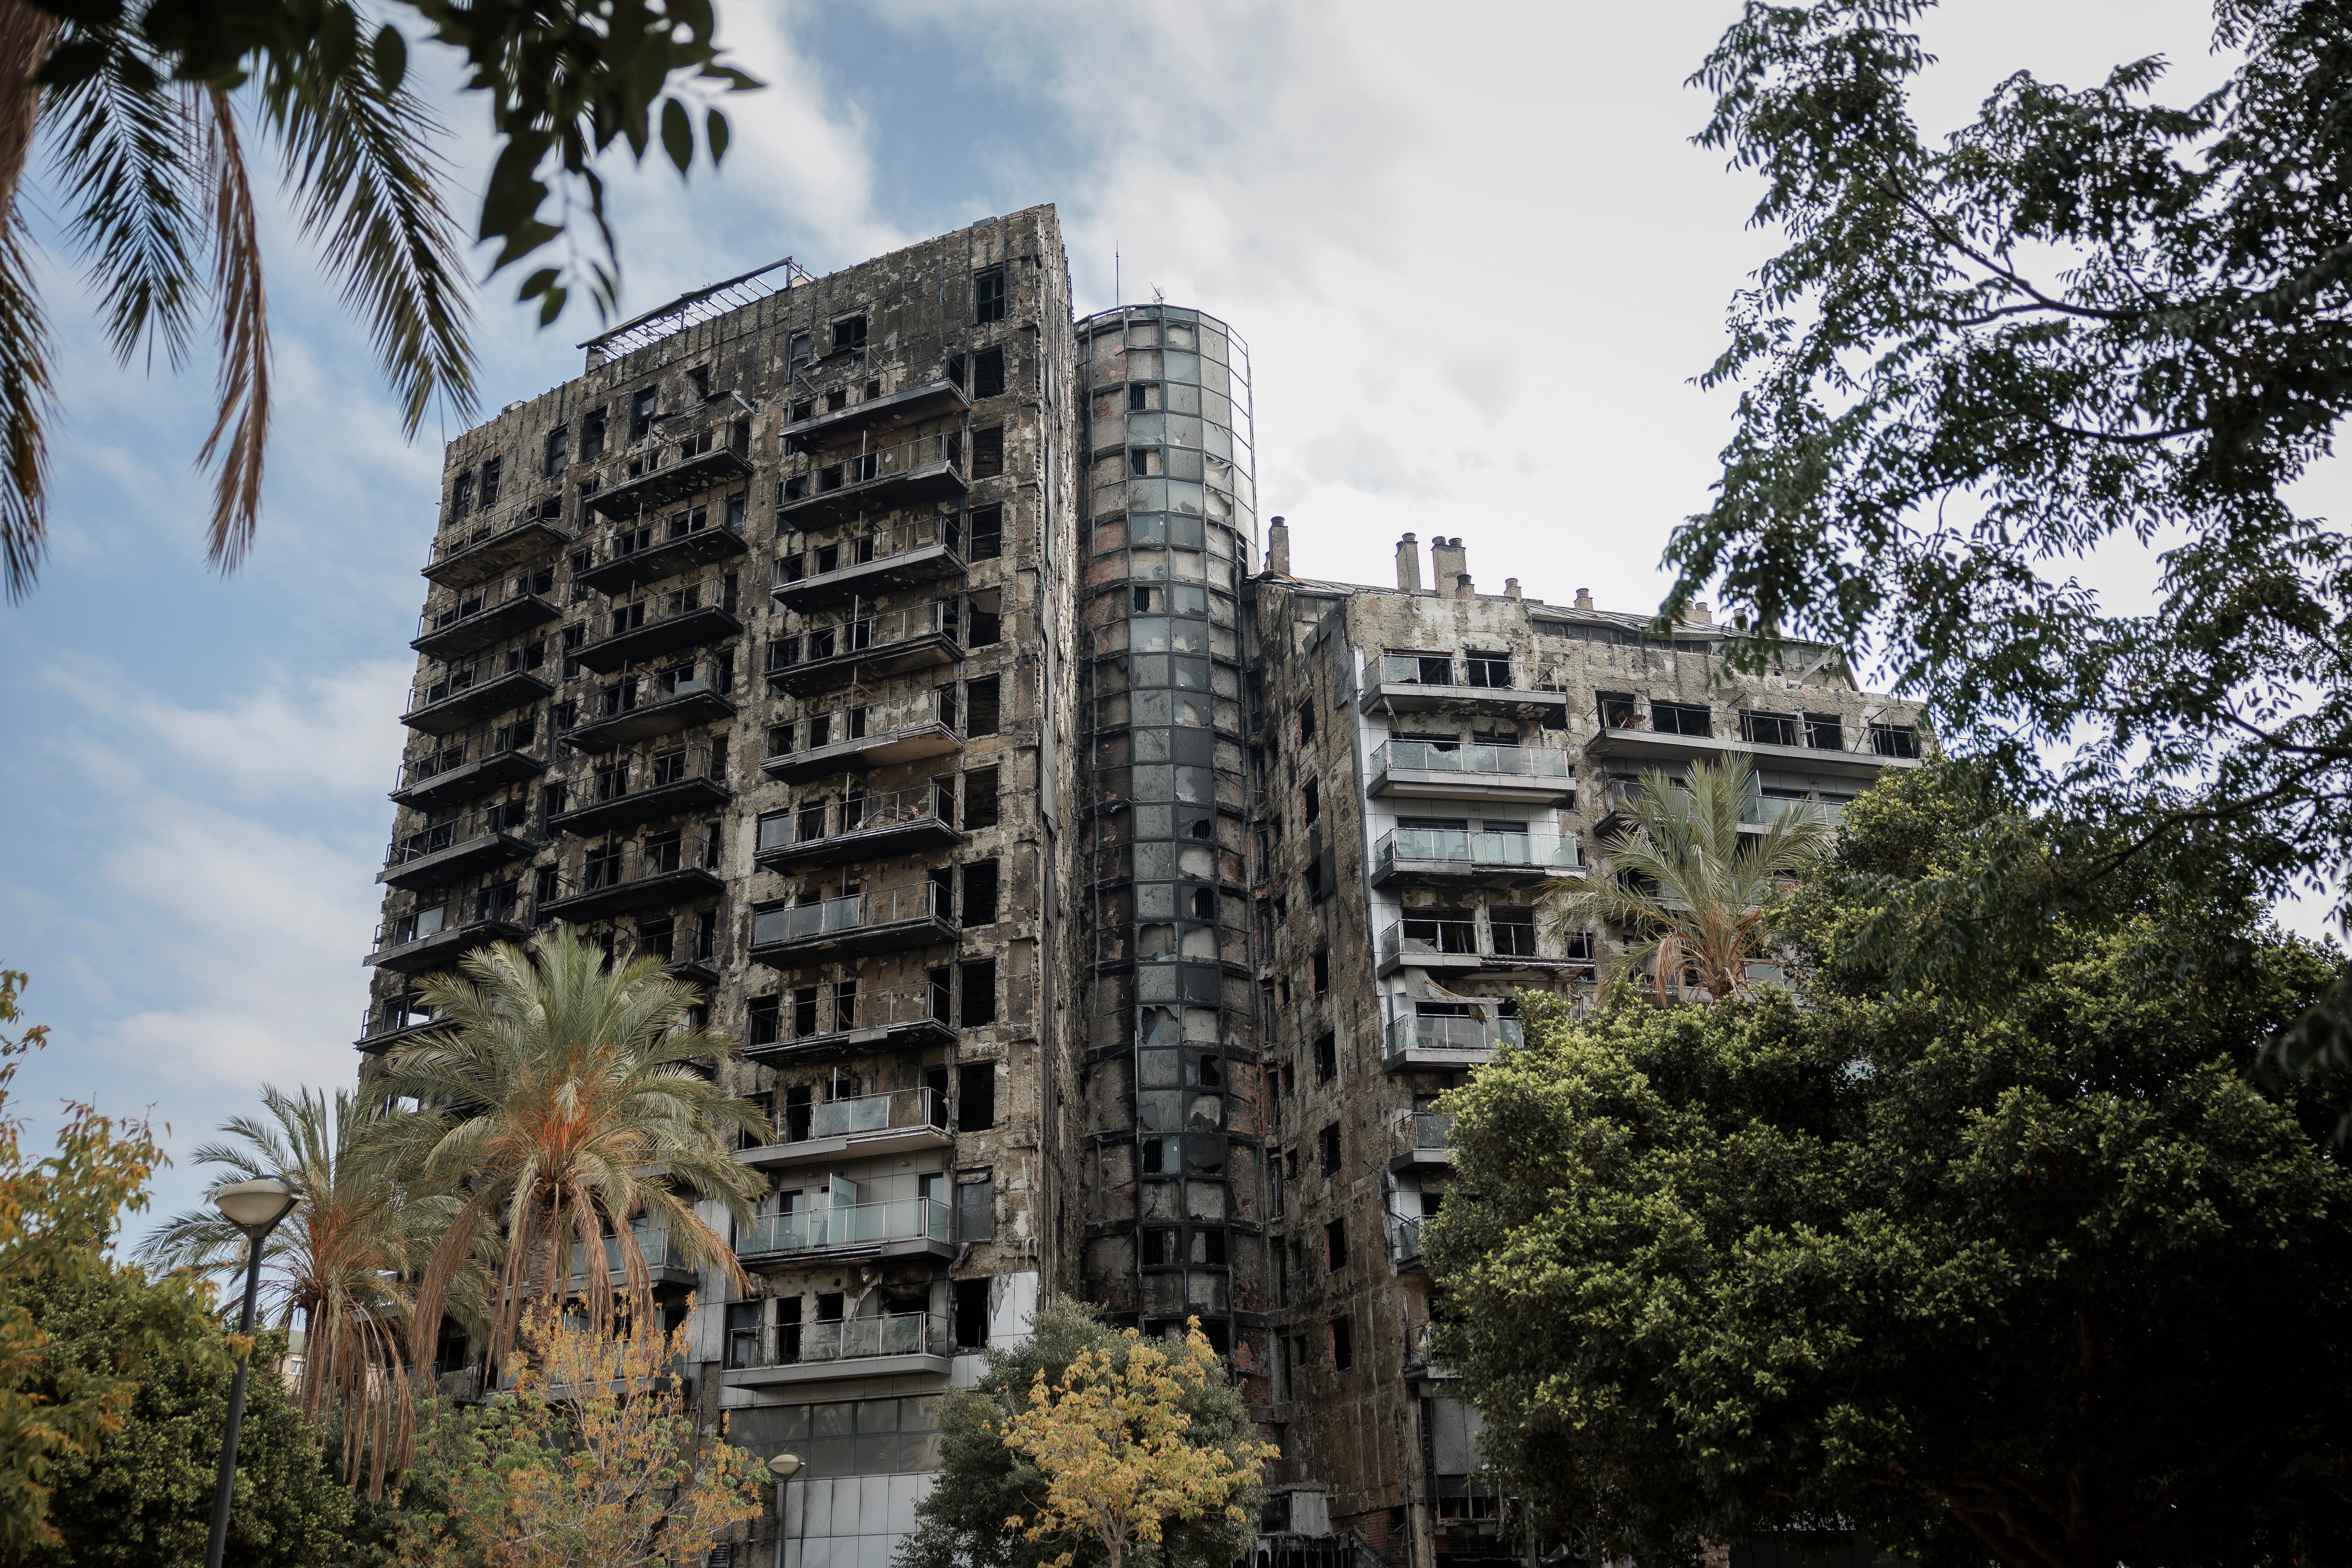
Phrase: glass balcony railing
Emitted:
{"points": [[918, 805], [899, 1110], [1470, 850], [893, 1333], [1416, 938], [850, 1225], [1495, 672], [1450, 1033], [858, 911], [1483, 761], [1425, 1130], [660, 1251], [821, 1011], [1404, 1238]]}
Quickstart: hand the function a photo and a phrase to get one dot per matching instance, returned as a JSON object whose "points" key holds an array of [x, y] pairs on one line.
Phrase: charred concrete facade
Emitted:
{"points": [[1100, 910], [1434, 764]]}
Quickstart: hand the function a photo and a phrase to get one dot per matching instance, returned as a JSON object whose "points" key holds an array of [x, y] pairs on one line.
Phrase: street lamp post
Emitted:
{"points": [[784, 1467], [256, 1208]]}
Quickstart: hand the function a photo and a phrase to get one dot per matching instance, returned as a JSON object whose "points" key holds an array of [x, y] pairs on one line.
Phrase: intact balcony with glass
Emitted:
{"points": [[1449, 770], [671, 456], [1654, 731], [640, 705], [896, 1228], [467, 693], [647, 550], [437, 935], [866, 646], [1621, 795], [645, 629], [625, 791], [860, 827], [1420, 1138], [463, 767], [665, 1260], [846, 1017], [443, 852], [1471, 682], [812, 573], [1464, 944], [856, 738], [471, 619], [1489, 852], [1458, 1041], [834, 487], [463, 557], [898, 1122], [1404, 1240], [662, 870], [887, 920], [891, 1344]]}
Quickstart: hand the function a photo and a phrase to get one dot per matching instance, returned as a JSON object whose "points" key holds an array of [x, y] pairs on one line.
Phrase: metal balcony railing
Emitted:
{"points": [[1498, 673], [653, 610], [1454, 845], [687, 522], [453, 913], [512, 817], [458, 678], [917, 805], [837, 1007], [1425, 1130], [625, 776], [858, 911], [862, 635], [480, 601], [694, 678], [814, 479], [850, 1225], [1417, 1033], [393, 1015], [806, 564], [1481, 761], [656, 856], [456, 541]]}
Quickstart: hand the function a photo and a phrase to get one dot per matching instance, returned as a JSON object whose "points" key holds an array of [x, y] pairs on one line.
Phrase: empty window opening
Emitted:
{"points": [[1680, 719], [1306, 722], [983, 702], [988, 452], [979, 804], [1326, 1149], [1326, 1057], [978, 985], [461, 494], [980, 893], [971, 1314], [1320, 967], [983, 626], [1335, 1244], [987, 533], [976, 1096], [641, 412], [1824, 733], [551, 461], [491, 467], [1491, 669], [699, 377], [1895, 739], [988, 373], [849, 336], [592, 434], [1310, 803], [1768, 729], [1343, 1344]]}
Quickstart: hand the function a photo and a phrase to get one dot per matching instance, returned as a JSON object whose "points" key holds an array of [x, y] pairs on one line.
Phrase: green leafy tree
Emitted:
{"points": [[1689, 890], [1998, 1275], [146, 108], [144, 1495], [983, 1488], [2088, 319]]}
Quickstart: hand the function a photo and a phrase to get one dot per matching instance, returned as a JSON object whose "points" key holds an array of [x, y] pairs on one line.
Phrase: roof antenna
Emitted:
{"points": [[1114, 295], [1157, 296]]}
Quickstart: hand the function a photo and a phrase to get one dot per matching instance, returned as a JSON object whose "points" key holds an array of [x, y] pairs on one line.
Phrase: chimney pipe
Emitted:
{"points": [[1461, 588], [1584, 598], [1445, 555], [1409, 565], [1510, 588], [1702, 614], [1277, 548]]}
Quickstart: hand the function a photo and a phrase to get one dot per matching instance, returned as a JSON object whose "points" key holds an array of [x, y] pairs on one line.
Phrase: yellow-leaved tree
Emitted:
{"points": [[1111, 1438]]}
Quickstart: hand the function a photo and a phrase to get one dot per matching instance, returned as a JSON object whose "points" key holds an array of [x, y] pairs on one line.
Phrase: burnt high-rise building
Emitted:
{"points": [[889, 654]]}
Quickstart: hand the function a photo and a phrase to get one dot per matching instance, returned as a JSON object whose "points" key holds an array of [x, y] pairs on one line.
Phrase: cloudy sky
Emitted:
{"points": [[1476, 256]]}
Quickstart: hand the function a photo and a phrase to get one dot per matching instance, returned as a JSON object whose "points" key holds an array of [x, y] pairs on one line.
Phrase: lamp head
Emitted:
{"points": [[784, 1467], [257, 1206]]}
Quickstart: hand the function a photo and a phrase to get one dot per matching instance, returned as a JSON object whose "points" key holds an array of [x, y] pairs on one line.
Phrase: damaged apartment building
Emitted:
{"points": [[1099, 910]]}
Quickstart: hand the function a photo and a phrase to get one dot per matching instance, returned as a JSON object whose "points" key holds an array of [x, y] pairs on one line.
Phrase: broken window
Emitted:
{"points": [[1680, 719], [1491, 669], [592, 434], [1306, 722], [743, 1333], [983, 700], [699, 377], [979, 808], [1335, 1246], [1310, 803], [988, 373], [976, 1096], [983, 628], [980, 893], [764, 1014], [977, 982], [1619, 710], [1895, 739], [796, 358], [1768, 729], [1326, 1057], [1343, 1339], [849, 336], [1326, 1149], [641, 412], [490, 490], [988, 295], [988, 452], [987, 533], [1319, 969], [550, 462], [461, 494], [1824, 733]]}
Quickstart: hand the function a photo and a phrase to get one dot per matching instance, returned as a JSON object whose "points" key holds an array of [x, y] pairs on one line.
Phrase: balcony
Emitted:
{"points": [[644, 631], [1436, 856], [640, 789], [469, 693], [1761, 809], [687, 537], [665, 871], [445, 851], [642, 707], [1460, 947], [907, 743], [1525, 775], [665, 1260], [1673, 733], [437, 938], [896, 1344], [1436, 682], [1414, 1042], [672, 467], [907, 473], [899, 1227], [392, 1022], [1420, 1138], [1404, 1240], [933, 400], [840, 1020], [865, 648], [460, 559], [899, 1123], [861, 828], [890, 920], [474, 619], [467, 768], [869, 564]]}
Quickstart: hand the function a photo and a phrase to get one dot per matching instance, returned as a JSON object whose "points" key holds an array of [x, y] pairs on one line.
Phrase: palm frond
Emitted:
{"points": [[244, 380], [26, 34]]}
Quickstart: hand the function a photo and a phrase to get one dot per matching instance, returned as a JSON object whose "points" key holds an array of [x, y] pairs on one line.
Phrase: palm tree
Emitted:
{"points": [[1687, 886], [344, 1259], [561, 1100]]}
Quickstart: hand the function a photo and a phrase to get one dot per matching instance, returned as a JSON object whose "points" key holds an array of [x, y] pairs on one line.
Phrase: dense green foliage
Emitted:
{"points": [[2088, 320], [2004, 1270], [982, 1483]]}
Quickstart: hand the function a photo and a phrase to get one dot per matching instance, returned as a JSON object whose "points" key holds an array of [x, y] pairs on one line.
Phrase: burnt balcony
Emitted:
{"points": [[642, 707], [875, 415], [1443, 856], [1620, 796], [1437, 682], [818, 1023], [436, 937], [472, 619], [468, 766], [906, 473], [444, 852], [468, 693], [901, 1122], [818, 755], [1444, 770], [1462, 947], [861, 826], [672, 467], [666, 870], [1445, 1042], [645, 629], [866, 648], [894, 1227], [462, 558], [889, 920], [866, 565], [1678, 733], [641, 553], [893, 1344], [1420, 1138], [392, 1022], [631, 790], [1404, 1240]]}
